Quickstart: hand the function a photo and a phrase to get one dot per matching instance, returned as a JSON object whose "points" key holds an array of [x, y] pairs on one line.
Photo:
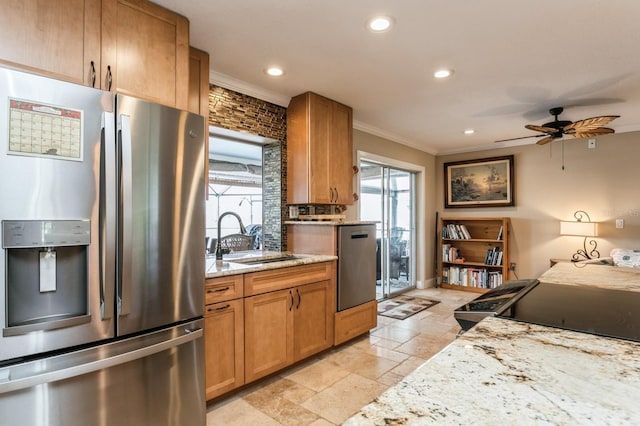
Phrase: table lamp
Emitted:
{"points": [[582, 227]]}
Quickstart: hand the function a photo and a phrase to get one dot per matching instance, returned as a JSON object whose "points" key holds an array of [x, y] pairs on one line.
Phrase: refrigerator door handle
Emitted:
{"points": [[8, 385], [126, 232], [107, 216]]}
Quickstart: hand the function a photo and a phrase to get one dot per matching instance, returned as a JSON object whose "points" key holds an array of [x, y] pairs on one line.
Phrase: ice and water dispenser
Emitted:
{"points": [[46, 272]]}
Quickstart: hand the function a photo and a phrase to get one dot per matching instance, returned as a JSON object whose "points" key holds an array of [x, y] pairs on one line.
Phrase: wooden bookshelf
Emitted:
{"points": [[473, 252]]}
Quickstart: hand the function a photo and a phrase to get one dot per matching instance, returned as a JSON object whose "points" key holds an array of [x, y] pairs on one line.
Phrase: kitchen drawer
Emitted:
{"points": [[223, 288], [282, 278], [355, 321], [224, 347]]}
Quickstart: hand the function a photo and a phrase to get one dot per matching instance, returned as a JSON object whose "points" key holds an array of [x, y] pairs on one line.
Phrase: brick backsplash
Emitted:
{"points": [[242, 113]]}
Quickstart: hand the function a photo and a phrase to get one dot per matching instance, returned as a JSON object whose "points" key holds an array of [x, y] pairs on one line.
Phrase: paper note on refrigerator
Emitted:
{"points": [[47, 271], [37, 129]]}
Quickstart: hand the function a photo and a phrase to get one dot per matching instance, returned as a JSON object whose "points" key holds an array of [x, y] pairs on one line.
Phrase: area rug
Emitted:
{"points": [[402, 307]]}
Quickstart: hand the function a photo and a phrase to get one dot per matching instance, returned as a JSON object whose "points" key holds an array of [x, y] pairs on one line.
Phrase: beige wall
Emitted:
{"points": [[603, 181], [426, 196]]}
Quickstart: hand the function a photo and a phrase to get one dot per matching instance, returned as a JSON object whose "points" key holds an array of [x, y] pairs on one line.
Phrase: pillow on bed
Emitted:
{"points": [[598, 261], [626, 257]]}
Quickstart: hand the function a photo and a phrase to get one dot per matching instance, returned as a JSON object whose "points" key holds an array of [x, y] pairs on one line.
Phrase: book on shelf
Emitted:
{"points": [[493, 257], [499, 233], [465, 232], [455, 231], [488, 258], [450, 254], [471, 277]]}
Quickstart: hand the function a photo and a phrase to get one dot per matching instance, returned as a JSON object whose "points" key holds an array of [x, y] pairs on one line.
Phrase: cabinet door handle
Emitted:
{"points": [[291, 294], [109, 78], [299, 298], [337, 194], [221, 308], [218, 290], [93, 74]]}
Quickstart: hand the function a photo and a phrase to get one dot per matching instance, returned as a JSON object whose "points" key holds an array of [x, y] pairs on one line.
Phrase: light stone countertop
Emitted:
{"points": [[504, 372], [329, 222], [232, 263]]}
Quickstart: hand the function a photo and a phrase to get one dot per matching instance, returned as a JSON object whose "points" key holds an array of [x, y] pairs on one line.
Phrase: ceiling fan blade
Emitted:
{"points": [[522, 137], [540, 128], [593, 133], [545, 140], [592, 123]]}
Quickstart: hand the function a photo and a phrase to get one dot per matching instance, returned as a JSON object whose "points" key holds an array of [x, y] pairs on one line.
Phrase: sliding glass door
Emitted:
{"points": [[387, 197]]}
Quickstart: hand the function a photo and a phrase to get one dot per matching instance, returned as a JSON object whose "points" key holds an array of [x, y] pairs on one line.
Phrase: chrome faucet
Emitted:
{"points": [[243, 230]]}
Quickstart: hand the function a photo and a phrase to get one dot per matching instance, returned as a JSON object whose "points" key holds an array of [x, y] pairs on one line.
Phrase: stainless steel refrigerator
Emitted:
{"points": [[102, 262]]}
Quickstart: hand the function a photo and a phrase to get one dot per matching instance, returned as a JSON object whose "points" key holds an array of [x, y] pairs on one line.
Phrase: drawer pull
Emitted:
{"points": [[221, 308], [218, 290]]}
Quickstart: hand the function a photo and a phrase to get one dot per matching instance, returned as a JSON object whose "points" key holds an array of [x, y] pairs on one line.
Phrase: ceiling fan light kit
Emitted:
{"points": [[587, 128]]}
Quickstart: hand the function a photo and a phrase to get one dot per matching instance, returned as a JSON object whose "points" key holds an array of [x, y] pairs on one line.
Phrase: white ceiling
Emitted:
{"points": [[513, 60]]}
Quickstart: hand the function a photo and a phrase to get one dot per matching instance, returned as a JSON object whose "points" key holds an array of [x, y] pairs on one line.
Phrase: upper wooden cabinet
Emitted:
{"points": [[319, 151], [133, 47], [145, 52], [59, 39], [199, 99], [199, 82]]}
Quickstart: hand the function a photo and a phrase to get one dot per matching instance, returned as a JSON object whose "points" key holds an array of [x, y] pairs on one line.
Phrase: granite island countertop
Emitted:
{"points": [[509, 372], [232, 264]]}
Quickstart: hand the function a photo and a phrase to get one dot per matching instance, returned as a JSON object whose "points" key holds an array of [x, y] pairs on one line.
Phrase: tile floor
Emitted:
{"points": [[329, 388]]}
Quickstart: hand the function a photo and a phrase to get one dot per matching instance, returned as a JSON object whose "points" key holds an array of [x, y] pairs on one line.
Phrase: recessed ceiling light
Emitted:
{"points": [[442, 73], [380, 24], [274, 71], [469, 132]]}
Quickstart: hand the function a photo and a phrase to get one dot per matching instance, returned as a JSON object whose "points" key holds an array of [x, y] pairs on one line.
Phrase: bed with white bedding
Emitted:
{"points": [[620, 271]]}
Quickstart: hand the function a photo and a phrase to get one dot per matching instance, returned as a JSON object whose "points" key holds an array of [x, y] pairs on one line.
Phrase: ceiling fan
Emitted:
{"points": [[587, 128]]}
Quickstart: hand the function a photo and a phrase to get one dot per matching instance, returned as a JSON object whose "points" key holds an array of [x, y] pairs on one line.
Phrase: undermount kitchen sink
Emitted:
{"points": [[266, 259]]}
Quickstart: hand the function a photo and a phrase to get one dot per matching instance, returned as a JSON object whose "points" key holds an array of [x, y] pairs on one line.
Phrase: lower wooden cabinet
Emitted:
{"points": [[261, 322], [268, 333], [313, 319], [224, 347], [286, 326]]}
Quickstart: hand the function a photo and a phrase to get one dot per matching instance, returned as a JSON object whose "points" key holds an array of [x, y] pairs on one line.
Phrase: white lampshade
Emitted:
{"points": [[580, 229]]}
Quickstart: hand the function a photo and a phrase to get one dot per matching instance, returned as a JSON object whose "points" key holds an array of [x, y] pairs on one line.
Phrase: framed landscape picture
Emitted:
{"points": [[486, 182]]}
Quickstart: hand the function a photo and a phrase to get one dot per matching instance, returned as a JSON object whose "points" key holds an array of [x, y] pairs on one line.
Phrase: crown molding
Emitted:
{"points": [[245, 88], [367, 128], [240, 86]]}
